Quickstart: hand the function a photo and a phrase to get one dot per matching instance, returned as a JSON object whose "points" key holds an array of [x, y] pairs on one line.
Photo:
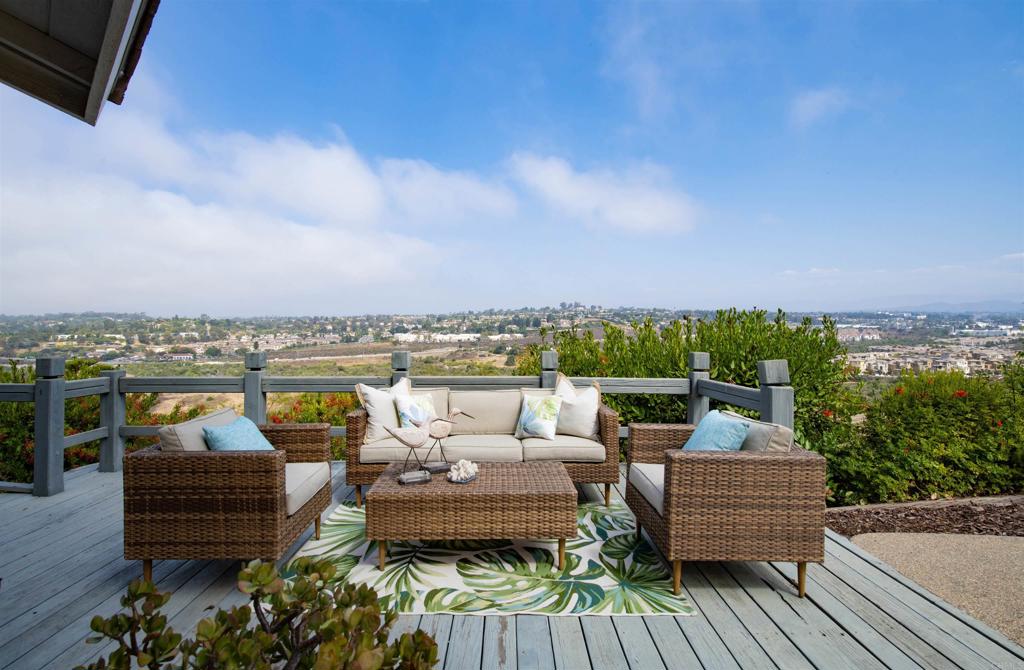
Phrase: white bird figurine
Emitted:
{"points": [[417, 436]]}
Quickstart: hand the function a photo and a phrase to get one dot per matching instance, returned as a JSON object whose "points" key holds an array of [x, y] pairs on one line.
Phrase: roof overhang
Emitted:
{"points": [[71, 54]]}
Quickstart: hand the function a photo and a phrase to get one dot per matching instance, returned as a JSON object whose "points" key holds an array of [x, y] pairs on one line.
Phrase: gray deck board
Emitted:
{"points": [[62, 563]]}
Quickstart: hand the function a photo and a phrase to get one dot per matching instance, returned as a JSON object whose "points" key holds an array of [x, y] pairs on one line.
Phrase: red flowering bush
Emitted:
{"points": [[937, 433], [318, 408]]}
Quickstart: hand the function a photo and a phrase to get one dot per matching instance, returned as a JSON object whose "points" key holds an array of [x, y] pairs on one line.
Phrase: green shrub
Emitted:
{"points": [[305, 622], [936, 434], [736, 341]]}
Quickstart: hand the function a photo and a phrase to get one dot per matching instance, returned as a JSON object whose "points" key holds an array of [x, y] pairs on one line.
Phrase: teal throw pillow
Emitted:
{"points": [[239, 435], [717, 432]]}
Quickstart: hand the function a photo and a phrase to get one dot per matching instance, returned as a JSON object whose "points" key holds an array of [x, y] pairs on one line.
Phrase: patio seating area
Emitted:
{"points": [[63, 562]]}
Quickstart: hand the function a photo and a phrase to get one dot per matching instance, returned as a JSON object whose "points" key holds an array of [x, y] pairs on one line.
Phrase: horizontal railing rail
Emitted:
{"points": [[773, 398], [17, 392]]}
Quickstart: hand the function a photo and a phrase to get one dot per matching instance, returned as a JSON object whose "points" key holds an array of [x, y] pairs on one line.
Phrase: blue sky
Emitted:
{"points": [[377, 157]]}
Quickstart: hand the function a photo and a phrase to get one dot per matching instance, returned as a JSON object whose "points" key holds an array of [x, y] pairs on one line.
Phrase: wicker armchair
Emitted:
{"points": [[729, 506], [221, 505], [606, 472]]}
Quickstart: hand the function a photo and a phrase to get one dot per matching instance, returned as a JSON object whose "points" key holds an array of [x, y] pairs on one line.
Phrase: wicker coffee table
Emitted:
{"points": [[505, 501]]}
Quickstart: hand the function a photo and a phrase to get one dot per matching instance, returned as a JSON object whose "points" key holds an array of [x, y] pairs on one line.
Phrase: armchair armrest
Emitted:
{"points": [[355, 433], [608, 429], [303, 442], [772, 503], [648, 441]]}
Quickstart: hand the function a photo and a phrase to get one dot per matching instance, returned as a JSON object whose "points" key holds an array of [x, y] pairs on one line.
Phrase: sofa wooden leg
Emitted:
{"points": [[639, 531], [677, 576], [607, 495], [801, 578], [147, 569], [316, 528], [382, 553], [359, 495]]}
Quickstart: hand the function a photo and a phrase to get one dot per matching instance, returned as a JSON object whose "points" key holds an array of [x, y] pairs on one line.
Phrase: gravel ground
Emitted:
{"points": [[981, 574]]}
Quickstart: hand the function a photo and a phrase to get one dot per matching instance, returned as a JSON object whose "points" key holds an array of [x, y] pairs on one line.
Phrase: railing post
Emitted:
{"points": [[112, 417], [48, 473], [255, 405], [697, 405], [400, 363], [548, 369], [776, 394]]}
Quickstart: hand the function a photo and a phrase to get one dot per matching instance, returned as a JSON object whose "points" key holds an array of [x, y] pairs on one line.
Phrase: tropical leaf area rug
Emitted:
{"points": [[607, 569]]}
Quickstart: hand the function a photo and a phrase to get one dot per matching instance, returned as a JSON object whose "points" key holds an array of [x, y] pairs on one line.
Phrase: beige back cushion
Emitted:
{"points": [[188, 435], [439, 396], [494, 412], [764, 436]]}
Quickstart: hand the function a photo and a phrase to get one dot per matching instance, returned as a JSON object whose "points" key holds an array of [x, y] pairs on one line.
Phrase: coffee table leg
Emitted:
{"points": [[382, 553], [561, 554]]}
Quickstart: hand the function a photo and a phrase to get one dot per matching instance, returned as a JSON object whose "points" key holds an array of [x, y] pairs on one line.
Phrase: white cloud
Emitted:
{"points": [[635, 200], [811, 272], [418, 189], [1019, 256], [810, 107]]}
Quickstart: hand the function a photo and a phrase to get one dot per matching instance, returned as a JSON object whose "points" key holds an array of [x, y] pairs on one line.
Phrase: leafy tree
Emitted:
{"points": [[213, 352]]}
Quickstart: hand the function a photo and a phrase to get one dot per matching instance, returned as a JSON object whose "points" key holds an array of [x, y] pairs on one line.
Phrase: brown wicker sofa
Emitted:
{"points": [[227, 504], [726, 506], [365, 462]]}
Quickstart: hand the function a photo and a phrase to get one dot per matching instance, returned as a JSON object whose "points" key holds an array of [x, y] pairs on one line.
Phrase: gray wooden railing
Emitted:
{"points": [[773, 399]]}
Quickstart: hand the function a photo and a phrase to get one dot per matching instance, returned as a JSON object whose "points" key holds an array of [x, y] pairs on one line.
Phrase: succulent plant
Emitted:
{"points": [[306, 622]]}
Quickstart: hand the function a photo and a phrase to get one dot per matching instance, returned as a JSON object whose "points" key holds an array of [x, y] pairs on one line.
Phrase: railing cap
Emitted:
{"points": [[773, 373], [400, 360], [50, 367], [255, 360], [699, 360], [549, 360]]}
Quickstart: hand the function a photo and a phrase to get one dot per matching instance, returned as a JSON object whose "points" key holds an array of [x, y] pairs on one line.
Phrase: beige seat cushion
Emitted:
{"points": [[567, 448], [493, 412], [764, 436], [649, 480], [302, 481], [478, 448], [484, 448], [188, 435]]}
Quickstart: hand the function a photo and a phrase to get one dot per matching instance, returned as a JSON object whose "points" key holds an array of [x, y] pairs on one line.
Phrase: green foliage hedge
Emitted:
{"points": [[933, 434]]}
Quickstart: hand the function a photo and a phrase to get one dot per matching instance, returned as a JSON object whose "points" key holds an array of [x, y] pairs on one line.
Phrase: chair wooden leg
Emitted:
{"points": [[147, 569], [639, 531], [561, 553], [677, 576], [801, 578], [382, 553], [316, 528], [359, 495], [607, 495]]}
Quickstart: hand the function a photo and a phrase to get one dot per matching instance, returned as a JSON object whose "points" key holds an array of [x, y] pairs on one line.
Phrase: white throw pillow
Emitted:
{"points": [[380, 408], [538, 416], [415, 410], [578, 415]]}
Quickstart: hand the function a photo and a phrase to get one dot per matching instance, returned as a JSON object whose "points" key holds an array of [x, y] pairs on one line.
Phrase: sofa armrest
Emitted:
{"points": [[608, 430], [355, 433], [773, 503], [303, 442], [648, 441]]}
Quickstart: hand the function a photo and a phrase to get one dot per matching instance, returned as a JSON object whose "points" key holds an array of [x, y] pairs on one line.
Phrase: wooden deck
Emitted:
{"points": [[62, 561]]}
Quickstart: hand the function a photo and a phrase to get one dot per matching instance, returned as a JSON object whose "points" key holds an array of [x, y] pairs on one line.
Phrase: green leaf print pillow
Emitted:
{"points": [[539, 416]]}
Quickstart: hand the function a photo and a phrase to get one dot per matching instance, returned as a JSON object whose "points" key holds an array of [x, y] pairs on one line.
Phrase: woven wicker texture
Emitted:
{"points": [[730, 506], [220, 505], [606, 472], [506, 501]]}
